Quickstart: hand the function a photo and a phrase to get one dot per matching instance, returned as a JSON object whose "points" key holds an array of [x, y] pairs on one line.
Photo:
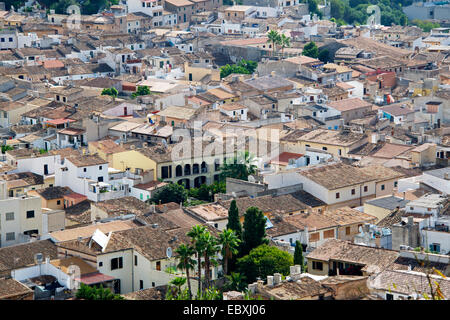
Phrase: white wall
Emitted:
{"points": [[42, 269], [19, 206], [36, 165]]}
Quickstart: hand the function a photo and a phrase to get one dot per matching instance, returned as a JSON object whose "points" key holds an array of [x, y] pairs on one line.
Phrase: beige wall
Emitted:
{"points": [[198, 73], [388, 188], [354, 230], [323, 272], [378, 212], [133, 159], [56, 220]]}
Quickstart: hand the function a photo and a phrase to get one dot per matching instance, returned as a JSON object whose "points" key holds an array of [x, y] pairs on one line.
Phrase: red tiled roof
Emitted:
{"points": [[284, 157], [50, 64], [75, 195], [94, 278], [59, 121]]}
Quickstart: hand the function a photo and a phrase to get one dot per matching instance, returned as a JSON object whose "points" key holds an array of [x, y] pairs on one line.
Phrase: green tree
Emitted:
{"points": [[233, 219], [96, 293], [6, 148], [248, 64], [243, 67], [230, 243], [254, 233], [178, 282], [324, 55], [211, 247], [264, 261], [110, 92], [210, 294], [241, 167], [274, 37], [196, 234], [235, 282], [298, 254], [186, 262], [141, 91], [311, 50], [285, 42], [170, 193], [313, 8]]}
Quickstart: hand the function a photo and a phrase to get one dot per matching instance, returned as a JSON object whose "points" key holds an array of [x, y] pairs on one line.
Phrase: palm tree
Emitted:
{"points": [[229, 242], [210, 251], [274, 37], [178, 282], [235, 282], [186, 262], [243, 165], [284, 42], [196, 234]]}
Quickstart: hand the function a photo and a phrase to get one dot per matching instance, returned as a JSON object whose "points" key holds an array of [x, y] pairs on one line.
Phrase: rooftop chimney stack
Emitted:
{"points": [[270, 281], [276, 278]]}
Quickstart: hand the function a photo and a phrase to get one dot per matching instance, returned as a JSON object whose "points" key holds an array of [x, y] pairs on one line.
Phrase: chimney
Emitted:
{"points": [[270, 281], [292, 271], [410, 220], [276, 278], [298, 268], [446, 176], [252, 287]]}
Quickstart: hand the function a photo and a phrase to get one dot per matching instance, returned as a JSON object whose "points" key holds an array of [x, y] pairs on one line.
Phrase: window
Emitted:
{"points": [[100, 264], [141, 284], [116, 263], [135, 260], [84, 169], [9, 216], [338, 195], [153, 284], [347, 231], [100, 168], [395, 184], [382, 187], [58, 202], [30, 214], [158, 265], [411, 208], [353, 191], [324, 148], [365, 188], [317, 265], [314, 236], [389, 296], [10, 236], [328, 234]]}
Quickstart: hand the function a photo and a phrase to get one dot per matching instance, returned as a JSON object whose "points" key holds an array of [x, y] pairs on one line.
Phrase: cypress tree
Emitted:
{"points": [[298, 254], [233, 219], [254, 233]]}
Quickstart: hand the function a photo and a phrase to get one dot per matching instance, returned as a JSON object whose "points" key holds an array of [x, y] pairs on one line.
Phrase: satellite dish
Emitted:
{"points": [[169, 252]]}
